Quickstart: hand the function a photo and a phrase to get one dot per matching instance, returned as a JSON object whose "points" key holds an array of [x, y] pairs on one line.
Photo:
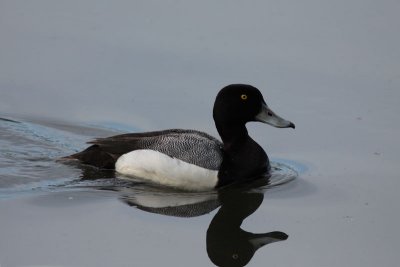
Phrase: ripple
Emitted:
{"points": [[281, 173]]}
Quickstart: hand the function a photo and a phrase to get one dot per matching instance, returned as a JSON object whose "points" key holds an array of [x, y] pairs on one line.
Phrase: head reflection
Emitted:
{"points": [[227, 243]]}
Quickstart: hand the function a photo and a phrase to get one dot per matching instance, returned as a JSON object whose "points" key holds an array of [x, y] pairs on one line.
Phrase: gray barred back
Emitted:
{"points": [[191, 146]]}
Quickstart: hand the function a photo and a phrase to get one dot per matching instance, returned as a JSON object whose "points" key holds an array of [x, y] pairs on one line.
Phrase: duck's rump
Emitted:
{"points": [[191, 146]]}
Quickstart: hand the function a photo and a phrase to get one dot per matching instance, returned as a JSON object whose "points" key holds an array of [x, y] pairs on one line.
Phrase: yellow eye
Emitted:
{"points": [[243, 97]]}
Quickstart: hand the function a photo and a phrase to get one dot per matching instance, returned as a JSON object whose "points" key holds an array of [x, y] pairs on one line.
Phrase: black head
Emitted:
{"points": [[241, 103], [237, 103]]}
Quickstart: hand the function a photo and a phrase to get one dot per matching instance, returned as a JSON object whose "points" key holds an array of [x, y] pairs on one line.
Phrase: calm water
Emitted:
{"points": [[331, 67]]}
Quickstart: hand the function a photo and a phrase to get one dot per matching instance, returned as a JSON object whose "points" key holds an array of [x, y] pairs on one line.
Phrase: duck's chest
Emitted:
{"points": [[243, 162]]}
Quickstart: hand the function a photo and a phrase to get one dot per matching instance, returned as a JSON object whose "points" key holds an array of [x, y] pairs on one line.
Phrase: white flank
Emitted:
{"points": [[162, 169]]}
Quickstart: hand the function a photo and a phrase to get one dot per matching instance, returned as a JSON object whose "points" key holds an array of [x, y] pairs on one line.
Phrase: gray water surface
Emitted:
{"points": [[74, 70]]}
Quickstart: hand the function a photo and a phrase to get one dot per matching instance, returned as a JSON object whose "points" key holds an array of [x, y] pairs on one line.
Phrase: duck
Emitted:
{"points": [[190, 159]]}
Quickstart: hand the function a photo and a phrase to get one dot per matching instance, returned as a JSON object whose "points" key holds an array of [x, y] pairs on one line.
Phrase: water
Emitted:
{"points": [[85, 217], [331, 67]]}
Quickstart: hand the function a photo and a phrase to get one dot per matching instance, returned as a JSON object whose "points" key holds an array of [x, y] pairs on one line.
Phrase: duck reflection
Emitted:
{"points": [[227, 243]]}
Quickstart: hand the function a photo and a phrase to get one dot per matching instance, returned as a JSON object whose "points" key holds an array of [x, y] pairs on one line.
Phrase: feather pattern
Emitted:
{"points": [[191, 146]]}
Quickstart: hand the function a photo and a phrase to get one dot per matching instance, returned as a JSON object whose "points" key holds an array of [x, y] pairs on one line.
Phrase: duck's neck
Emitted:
{"points": [[232, 134], [244, 159]]}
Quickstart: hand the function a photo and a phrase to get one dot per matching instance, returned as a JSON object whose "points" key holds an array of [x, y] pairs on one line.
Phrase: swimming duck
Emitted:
{"points": [[190, 159]]}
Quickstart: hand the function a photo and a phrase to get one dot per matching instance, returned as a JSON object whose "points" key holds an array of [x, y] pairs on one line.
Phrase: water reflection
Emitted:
{"points": [[227, 243]]}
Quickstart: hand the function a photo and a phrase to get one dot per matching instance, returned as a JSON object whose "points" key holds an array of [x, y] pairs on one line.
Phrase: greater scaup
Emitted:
{"points": [[190, 159]]}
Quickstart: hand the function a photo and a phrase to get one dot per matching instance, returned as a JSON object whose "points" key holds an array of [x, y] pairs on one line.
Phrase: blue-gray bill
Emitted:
{"points": [[266, 115]]}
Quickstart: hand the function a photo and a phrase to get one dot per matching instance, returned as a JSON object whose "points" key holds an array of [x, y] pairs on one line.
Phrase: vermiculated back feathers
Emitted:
{"points": [[191, 146]]}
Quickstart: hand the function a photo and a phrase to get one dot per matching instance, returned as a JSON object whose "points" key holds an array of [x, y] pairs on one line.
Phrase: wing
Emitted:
{"points": [[190, 146]]}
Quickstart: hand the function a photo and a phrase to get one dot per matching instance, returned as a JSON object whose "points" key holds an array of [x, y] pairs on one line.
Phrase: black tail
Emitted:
{"points": [[95, 156]]}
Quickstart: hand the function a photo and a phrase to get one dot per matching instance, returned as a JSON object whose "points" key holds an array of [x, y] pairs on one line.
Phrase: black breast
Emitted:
{"points": [[244, 160]]}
